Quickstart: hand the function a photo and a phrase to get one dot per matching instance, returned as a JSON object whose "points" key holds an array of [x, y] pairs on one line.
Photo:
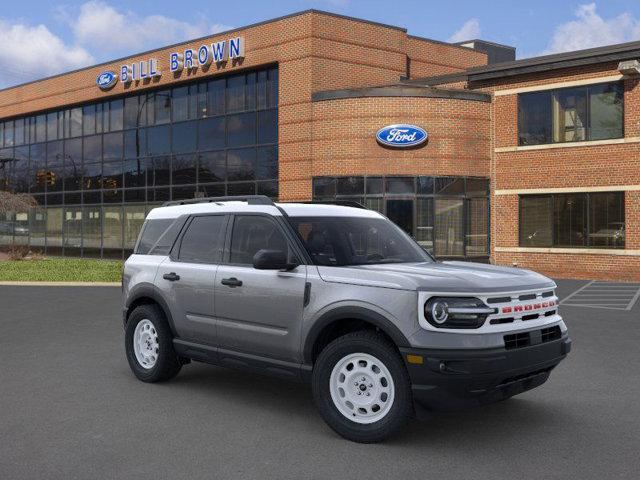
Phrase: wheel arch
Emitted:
{"points": [[148, 295], [350, 318]]}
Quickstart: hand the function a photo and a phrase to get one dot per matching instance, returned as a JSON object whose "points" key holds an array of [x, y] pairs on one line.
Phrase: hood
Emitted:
{"points": [[451, 277]]}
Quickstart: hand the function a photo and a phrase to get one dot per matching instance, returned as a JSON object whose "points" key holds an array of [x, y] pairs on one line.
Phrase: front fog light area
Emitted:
{"points": [[456, 312]]}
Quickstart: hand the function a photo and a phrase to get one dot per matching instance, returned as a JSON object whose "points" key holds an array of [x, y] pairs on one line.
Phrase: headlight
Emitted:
{"points": [[456, 312]]}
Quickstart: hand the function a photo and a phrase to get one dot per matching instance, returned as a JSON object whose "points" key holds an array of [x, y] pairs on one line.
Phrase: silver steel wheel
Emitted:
{"points": [[145, 344], [362, 388]]}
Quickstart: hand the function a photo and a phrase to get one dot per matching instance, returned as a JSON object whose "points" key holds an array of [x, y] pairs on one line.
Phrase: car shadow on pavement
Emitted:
{"points": [[292, 402]]}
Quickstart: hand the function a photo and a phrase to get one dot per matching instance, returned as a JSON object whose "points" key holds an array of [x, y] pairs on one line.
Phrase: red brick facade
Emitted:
{"points": [[581, 167]]}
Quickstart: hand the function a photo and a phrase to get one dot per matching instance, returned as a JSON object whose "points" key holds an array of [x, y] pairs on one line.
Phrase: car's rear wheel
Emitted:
{"points": [[362, 388], [149, 345]]}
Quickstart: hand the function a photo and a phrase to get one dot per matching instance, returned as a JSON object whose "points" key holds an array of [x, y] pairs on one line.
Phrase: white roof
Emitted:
{"points": [[292, 209]]}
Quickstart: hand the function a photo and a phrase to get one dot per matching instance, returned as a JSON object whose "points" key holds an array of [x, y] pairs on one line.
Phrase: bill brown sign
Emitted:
{"points": [[189, 59]]}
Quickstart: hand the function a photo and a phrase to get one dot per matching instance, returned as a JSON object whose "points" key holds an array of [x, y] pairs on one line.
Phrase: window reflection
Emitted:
{"points": [[83, 162]]}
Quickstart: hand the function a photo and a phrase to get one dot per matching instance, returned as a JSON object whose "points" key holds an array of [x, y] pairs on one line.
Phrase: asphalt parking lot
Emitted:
{"points": [[70, 408]]}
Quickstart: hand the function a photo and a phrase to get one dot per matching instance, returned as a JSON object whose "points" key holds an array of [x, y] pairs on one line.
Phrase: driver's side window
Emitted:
{"points": [[252, 233]]}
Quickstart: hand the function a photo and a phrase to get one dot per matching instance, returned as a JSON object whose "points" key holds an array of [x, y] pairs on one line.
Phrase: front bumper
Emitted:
{"points": [[451, 379]]}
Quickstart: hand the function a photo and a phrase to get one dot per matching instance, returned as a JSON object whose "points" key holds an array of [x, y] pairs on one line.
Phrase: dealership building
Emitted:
{"points": [[534, 162]]}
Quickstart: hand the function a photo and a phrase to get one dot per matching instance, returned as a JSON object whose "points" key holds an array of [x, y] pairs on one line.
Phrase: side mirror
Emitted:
{"points": [[272, 260]]}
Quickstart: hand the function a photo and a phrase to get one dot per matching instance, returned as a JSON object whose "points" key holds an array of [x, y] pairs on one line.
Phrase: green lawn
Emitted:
{"points": [[61, 270]]}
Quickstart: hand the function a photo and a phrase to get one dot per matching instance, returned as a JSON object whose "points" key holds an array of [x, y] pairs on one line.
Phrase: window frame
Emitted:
{"points": [[293, 242], [552, 93], [588, 196], [174, 253]]}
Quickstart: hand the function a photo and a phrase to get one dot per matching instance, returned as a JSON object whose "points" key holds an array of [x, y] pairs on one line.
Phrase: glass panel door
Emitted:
{"points": [[400, 212], [477, 226], [449, 227]]}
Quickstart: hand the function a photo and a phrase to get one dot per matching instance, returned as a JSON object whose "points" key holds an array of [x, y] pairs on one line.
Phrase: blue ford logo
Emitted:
{"points": [[106, 80], [401, 136]]}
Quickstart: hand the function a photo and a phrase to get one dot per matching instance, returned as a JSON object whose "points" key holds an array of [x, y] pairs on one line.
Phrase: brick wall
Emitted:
{"points": [[430, 58], [344, 137], [614, 164]]}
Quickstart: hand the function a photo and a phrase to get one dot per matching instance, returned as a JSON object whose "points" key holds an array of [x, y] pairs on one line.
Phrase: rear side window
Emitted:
{"points": [[203, 240], [151, 233]]}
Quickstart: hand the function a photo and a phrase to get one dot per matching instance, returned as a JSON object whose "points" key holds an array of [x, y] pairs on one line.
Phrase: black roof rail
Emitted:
{"points": [[342, 203], [250, 199]]}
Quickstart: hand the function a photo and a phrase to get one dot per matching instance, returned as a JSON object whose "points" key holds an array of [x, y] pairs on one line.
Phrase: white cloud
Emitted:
{"points": [[104, 29], [469, 31], [28, 52], [98, 32], [591, 30]]}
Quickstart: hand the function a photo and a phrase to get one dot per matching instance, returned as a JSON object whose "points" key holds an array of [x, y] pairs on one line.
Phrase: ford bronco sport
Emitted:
{"points": [[337, 296]]}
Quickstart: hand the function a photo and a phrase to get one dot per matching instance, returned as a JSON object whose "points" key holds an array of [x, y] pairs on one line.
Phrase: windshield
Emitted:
{"points": [[346, 241]]}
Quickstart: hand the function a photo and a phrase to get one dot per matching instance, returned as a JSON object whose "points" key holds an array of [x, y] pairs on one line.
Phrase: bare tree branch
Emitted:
{"points": [[16, 202]]}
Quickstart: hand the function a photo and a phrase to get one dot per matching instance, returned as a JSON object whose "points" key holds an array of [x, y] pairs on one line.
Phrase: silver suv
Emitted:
{"points": [[337, 296]]}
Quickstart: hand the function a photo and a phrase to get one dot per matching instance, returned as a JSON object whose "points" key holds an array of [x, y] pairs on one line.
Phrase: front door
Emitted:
{"points": [[400, 212], [259, 311]]}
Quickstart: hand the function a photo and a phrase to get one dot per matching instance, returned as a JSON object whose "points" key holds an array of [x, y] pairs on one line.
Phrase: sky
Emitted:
{"points": [[39, 38]]}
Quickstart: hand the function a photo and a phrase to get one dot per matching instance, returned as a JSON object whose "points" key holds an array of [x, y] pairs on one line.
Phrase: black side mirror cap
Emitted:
{"points": [[272, 260]]}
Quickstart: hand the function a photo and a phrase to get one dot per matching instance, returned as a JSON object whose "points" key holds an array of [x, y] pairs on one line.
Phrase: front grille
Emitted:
{"points": [[497, 321], [528, 296], [499, 300], [547, 294], [533, 316], [517, 340], [550, 334], [523, 339]]}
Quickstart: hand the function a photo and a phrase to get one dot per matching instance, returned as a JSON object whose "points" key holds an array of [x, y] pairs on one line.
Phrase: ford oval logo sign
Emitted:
{"points": [[401, 136], [106, 80]]}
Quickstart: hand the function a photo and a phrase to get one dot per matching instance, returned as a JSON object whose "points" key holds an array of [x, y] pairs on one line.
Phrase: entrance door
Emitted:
{"points": [[400, 212]]}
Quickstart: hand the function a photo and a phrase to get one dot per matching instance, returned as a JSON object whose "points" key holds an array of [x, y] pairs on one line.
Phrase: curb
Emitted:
{"points": [[60, 284]]}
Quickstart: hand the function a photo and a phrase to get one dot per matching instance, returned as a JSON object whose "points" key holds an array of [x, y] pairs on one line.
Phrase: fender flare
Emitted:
{"points": [[147, 290], [356, 313]]}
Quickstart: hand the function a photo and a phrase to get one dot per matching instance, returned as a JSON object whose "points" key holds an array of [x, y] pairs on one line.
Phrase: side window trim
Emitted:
{"points": [[284, 229], [175, 251]]}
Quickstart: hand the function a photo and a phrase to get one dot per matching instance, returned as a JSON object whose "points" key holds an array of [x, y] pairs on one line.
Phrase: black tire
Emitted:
{"points": [[374, 344], [168, 364]]}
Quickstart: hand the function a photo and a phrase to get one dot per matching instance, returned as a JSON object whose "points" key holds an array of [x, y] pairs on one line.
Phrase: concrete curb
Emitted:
{"points": [[60, 284]]}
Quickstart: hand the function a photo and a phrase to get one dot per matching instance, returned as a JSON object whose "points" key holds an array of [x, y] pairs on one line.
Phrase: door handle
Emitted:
{"points": [[172, 277], [231, 282]]}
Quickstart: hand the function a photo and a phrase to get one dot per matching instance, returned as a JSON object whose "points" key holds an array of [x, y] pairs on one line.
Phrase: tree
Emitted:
{"points": [[16, 202]]}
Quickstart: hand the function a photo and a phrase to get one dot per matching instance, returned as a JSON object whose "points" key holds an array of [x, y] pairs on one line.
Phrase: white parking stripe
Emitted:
{"points": [[577, 291], [612, 296]]}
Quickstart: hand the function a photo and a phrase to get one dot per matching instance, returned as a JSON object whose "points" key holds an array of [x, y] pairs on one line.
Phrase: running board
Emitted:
{"points": [[243, 361]]}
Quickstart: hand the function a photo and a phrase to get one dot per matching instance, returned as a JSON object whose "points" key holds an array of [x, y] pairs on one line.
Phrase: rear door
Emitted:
{"points": [[259, 311], [187, 277]]}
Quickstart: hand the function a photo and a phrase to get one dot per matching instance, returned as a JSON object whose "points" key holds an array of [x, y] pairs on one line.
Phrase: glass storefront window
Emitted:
{"points": [[575, 114], [91, 231], [449, 227], [424, 223], [112, 231], [477, 232], [213, 137], [448, 216], [400, 185], [72, 230], [583, 220]]}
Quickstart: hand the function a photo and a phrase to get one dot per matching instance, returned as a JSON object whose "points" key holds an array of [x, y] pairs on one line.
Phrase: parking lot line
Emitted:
{"points": [[612, 296]]}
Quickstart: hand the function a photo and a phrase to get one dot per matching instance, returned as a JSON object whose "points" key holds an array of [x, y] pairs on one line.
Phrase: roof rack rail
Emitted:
{"points": [[342, 203], [250, 199]]}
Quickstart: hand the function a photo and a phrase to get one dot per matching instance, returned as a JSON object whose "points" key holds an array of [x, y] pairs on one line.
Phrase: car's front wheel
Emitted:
{"points": [[149, 345], [362, 387]]}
